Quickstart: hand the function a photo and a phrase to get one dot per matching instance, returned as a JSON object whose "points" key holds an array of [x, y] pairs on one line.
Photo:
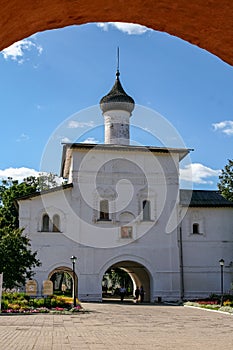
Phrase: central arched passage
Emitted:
{"points": [[133, 275]]}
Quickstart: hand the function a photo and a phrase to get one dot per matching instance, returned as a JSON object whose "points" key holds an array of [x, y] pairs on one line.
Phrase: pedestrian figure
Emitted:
{"points": [[137, 293], [122, 292], [142, 294]]}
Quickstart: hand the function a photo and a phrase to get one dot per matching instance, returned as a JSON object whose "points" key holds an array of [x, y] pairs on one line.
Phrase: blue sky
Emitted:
{"points": [[51, 84]]}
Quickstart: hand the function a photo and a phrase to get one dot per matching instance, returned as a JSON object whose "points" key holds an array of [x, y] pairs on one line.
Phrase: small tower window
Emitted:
{"points": [[45, 223], [56, 223], [104, 210], [196, 228], [146, 210]]}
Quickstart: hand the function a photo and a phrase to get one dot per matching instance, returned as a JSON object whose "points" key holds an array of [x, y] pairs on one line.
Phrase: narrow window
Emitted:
{"points": [[146, 210], [104, 210], [45, 223], [196, 228], [56, 223]]}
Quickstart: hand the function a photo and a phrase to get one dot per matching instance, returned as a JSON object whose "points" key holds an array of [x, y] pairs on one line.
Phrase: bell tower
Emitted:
{"points": [[117, 109]]}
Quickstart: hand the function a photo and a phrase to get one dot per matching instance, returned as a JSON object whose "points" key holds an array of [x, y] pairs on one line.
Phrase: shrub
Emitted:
{"points": [[47, 302], [38, 302], [60, 301], [4, 304], [191, 303], [228, 303], [226, 309], [22, 302], [13, 306], [210, 306]]}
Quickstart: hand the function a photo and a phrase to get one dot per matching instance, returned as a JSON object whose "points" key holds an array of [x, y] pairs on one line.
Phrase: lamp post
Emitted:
{"points": [[221, 262], [73, 260]]}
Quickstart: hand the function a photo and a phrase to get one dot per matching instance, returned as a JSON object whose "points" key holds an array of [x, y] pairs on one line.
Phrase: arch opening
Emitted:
{"points": [[129, 275], [190, 21], [45, 223], [62, 278]]}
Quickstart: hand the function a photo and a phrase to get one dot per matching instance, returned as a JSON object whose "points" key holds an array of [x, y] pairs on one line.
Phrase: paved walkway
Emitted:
{"points": [[119, 327]]}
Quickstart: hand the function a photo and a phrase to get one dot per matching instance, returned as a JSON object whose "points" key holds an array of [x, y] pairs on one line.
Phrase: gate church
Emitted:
{"points": [[122, 207]]}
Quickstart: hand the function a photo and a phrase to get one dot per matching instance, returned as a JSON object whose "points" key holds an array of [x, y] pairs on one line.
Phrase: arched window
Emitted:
{"points": [[196, 228], [104, 210], [45, 223], [146, 210], [56, 223]]}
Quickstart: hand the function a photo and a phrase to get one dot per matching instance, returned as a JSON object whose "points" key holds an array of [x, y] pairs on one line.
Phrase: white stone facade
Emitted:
{"points": [[125, 177], [202, 252], [122, 208]]}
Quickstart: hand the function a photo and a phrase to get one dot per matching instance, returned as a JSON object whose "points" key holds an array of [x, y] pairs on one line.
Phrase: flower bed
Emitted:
{"points": [[20, 303], [212, 305]]}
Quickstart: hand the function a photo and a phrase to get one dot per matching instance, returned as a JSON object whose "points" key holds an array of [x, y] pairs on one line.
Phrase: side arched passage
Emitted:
{"points": [[62, 278]]}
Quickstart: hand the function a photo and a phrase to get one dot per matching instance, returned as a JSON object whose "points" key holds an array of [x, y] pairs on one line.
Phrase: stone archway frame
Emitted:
{"points": [[65, 269], [139, 270], [207, 24]]}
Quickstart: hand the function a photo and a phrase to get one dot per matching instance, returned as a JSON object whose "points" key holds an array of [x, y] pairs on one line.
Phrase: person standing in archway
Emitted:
{"points": [[122, 292], [137, 293], [142, 293]]}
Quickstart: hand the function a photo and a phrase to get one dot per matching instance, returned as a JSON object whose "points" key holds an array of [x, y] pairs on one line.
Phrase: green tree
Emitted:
{"points": [[46, 181], [11, 189], [116, 277], [225, 184], [16, 258]]}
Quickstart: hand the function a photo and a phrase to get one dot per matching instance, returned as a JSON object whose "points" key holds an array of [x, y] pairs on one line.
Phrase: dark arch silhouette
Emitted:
{"points": [[207, 24]]}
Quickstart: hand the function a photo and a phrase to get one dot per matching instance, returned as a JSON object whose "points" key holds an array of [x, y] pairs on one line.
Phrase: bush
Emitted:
{"points": [[4, 304], [210, 306], [13, 306], [38, 302], [14, 299], [47, 302], [16, 296], [228, 303], [191, 303], [59, 301], [226, 309]]}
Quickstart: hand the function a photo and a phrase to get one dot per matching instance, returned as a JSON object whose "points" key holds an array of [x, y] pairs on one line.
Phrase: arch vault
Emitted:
{"points": [[207, 24]]}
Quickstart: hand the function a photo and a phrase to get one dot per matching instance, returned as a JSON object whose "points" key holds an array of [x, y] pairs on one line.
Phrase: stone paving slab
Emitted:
{"points": [[119, 326]]}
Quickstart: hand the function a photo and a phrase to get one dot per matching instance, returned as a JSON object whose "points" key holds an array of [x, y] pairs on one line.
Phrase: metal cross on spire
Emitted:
{"points": [[118, 62]]}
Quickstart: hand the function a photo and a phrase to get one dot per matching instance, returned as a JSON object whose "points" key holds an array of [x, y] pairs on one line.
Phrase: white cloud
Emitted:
{"points": [[226, 127], [147, 129], [23, 137], [198, 173], [21, 173], [18, 173], [90, 140], [65, 140], [129, 28], [73, 124], [17, 50]]}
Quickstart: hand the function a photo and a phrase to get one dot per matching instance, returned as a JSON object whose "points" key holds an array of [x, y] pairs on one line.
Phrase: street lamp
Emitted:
{"points": [[73, 260], [221, 262]]}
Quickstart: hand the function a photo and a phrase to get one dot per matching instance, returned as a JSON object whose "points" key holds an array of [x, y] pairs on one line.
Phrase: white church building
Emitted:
{"points": [[122, 207]]}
